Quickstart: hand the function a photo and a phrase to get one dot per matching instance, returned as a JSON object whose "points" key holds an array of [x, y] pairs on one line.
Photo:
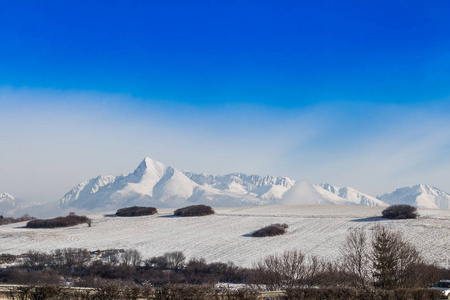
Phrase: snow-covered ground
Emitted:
{"points": [[316, 230]]}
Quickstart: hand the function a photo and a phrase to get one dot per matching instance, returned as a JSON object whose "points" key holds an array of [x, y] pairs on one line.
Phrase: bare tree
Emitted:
{"points": [[71, 258], [282, 271], [131, 257], [111, 257], [36, 260], [175, 260], [355, 254]]}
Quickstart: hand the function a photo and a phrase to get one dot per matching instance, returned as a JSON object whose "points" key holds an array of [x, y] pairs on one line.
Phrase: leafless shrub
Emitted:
{"points": [[185, 292], [355, 257], [194, 211], [363, 294], [271, 230], [131, 257], [135, 211], [111, 257], [36, 260], [71, 258], [9, 220], [283, 271], [400, 211], [108, 290], [43, 277], [175, 260], [240, 294]]}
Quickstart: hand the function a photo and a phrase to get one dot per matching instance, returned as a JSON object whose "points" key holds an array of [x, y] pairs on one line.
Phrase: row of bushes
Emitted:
{"points": [[70, 220], [9, 220], [189, 211], [117, 291], [36, 267], [361, 294], [392, 212], [112, 290]]}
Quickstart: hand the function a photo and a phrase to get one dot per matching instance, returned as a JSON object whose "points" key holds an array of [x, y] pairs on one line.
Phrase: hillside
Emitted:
{"points": [[422, 195], [316, 230]]}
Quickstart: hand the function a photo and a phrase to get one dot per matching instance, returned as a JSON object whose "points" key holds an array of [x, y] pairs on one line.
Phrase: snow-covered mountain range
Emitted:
{"points": [[422, 195], [155, 184], [10, 206], [7, 202], [347, 196]]}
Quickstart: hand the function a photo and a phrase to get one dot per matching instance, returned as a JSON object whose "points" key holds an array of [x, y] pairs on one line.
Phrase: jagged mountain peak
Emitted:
{"points": [[331, 188], [150, 165], [153, 183], [7, 198], [349, 196], [420, 195]]}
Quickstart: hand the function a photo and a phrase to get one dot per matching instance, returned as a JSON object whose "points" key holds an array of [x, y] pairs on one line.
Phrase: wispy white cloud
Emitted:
{"points": [[52, 140]]}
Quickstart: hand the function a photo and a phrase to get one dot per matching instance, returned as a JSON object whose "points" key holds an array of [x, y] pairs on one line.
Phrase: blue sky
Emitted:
{"points": [[348, 92]]}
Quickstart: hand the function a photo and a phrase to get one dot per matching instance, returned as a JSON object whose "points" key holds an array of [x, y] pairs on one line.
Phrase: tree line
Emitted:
{"points": [[382, 260]]}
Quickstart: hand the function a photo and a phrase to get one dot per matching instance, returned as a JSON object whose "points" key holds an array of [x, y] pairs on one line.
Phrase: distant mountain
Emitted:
{"points": [[422, 196], [305, 193], [153, 183], [349, 196], [7, 202], [10, 206]]}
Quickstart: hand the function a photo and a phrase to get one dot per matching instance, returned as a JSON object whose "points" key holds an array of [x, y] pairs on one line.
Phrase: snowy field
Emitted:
{"points": [[316, 230]]}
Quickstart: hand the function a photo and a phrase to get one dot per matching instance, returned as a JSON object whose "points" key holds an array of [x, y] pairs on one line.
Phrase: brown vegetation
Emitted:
{"points": [[400, 211], [135, 211], [70, 220], [271, 230], [9, 220], [194, 211]]}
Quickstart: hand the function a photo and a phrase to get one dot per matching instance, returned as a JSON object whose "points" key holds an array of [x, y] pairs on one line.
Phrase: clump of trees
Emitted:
{"points": [[194, 211], [353, 293], [271, 230], [135, 211], [9, 220], [70, 220], [400, 211], [114, 290], [374, 264], [385, 260]]}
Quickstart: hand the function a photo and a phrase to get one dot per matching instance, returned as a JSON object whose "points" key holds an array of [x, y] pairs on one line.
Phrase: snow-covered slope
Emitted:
{"points": [[315, 230], [422, 196], [350, 195], [153, 183], [304, 193]]}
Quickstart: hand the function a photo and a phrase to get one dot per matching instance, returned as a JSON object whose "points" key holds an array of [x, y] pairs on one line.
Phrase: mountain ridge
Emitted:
{"points": [[420, 195], [153, 183]]}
